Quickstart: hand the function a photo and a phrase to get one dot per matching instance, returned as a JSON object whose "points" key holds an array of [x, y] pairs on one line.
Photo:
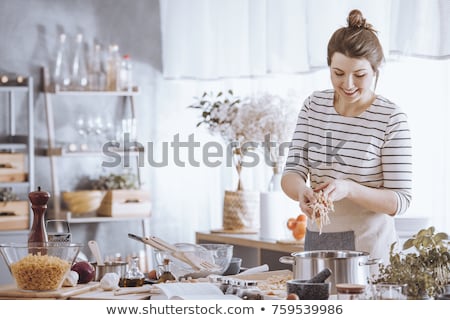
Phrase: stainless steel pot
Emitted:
{"points": [[116, 267], [347, 266]]}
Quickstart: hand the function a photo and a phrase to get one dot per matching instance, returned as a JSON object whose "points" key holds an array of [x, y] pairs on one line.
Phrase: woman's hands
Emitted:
{"points": [[335, 190]]}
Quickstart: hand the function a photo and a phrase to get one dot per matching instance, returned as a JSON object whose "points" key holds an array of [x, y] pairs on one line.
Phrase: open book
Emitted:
{"points": [[191, 291]]}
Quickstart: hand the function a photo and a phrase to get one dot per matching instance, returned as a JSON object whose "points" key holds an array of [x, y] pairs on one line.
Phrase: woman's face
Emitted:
{"points": [[351, 78]]}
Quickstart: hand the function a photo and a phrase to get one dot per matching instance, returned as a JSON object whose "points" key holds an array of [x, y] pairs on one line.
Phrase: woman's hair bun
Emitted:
{"points": [[356, 20]]}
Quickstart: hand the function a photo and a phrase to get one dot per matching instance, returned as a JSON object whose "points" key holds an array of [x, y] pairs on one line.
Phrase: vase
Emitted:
{"points": [[275, 180], [241, 211], [275, 209]]}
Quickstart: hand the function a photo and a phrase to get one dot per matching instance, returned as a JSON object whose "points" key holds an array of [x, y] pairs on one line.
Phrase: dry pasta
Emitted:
{"points": [[321, 208], [39, 272]]}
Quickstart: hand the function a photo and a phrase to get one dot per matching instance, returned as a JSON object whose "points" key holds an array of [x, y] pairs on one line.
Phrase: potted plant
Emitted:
{"points": [[14, 213], [223, 115], [423, 265]]}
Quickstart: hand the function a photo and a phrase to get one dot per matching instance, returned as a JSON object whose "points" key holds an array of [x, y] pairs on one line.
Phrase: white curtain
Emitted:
{"points": [[279, 46], [210, 39]]}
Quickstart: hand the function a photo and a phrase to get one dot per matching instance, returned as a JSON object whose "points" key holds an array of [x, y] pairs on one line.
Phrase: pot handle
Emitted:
{"points": [[370, 262], [287, 260]]}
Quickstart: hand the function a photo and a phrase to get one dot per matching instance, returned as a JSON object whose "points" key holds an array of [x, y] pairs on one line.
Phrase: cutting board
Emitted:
{"points": [[11, 291]]}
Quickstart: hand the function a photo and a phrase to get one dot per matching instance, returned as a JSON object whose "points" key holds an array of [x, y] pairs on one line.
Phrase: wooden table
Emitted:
{"points": [[253, 249]]}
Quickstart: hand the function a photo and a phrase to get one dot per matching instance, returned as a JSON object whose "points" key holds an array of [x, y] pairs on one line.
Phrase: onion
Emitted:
{"points": [[85, 270]]}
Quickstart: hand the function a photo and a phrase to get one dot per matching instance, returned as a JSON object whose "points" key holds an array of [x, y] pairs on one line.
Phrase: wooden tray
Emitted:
{"points": [[11, 291]]}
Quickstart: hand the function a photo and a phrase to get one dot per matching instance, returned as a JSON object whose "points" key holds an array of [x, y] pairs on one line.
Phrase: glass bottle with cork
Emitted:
{"points": [[166, 274], [133, 277]]}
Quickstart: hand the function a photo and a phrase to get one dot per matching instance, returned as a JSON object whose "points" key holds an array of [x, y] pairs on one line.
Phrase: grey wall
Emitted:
{"points": [[28, 33]]}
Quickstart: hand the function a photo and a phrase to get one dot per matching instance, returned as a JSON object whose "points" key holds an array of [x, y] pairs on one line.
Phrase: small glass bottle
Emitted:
{"points": [[126, 73], [97, 75], [79, 68], [166, 274], [61, 72], [113, 68], [133, 277]]}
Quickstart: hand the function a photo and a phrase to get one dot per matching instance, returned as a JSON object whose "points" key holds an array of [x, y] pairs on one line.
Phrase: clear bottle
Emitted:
{"points": [[126, 73], [61, 72], [166, 274], [133, 277], [79, 67], [97, 75], [113, 68]]}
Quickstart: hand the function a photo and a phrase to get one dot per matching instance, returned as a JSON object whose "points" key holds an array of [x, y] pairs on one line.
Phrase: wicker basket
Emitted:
{"points": [[241, 210], [83, 202]]}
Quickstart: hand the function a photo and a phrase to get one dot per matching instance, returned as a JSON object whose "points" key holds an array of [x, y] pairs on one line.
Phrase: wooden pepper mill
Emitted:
{"points": [[38, 232]]}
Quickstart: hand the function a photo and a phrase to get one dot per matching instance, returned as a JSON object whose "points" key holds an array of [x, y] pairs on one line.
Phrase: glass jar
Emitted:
{"points": [[166, 273], [249, 291], [133, 277], [350, 291]]}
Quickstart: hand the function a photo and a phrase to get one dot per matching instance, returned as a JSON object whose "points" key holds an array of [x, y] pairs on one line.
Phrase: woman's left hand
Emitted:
{"points": [[335, 190]]}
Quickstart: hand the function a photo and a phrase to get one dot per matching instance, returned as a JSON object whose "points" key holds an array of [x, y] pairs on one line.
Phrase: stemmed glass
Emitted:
{"points": [[83, 132]]}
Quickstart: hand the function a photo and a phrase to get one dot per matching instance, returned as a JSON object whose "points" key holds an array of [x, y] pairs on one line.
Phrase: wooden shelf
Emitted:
{"points": [[60, 152], [76, 220], [51, 89]]}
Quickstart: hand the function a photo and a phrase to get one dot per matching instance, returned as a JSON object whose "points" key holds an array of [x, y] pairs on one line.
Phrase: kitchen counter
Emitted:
{"points": [[256, 250]]}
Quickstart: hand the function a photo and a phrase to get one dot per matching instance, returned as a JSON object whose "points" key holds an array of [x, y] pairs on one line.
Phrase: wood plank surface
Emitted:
{"points": [[11, 291]]}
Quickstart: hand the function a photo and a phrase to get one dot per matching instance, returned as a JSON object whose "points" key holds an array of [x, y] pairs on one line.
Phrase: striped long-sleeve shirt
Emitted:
{"points": [[373, 149]]}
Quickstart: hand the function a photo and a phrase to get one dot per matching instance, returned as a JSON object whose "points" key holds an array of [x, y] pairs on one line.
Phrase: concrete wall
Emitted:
{"points": [[29, 31]]}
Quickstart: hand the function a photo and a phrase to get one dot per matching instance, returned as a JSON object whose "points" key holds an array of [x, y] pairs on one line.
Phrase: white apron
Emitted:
{"points": [[371, 232]]}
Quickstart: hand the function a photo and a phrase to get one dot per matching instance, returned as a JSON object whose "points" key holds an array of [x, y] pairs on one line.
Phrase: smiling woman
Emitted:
{"points": [[204, 35]]}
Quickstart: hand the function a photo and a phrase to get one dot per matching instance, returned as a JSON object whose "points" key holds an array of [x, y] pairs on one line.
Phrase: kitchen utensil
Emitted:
{"points": [[118, 267], [234, 267], [321, 276], [58, 231], [346, 266], [95, 249], [308, 291], [190, 258]]}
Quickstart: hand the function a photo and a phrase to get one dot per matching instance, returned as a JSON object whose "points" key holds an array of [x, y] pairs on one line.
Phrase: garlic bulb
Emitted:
{"points": [[71, 279], [110, 281]]}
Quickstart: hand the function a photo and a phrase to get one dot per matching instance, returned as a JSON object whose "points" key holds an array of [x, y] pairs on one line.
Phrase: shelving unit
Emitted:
{"points": [[14, 143], [53, 151]]}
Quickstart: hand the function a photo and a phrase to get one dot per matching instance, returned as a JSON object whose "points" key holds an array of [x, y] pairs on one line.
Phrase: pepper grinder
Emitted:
{"points": [[38, 232]]}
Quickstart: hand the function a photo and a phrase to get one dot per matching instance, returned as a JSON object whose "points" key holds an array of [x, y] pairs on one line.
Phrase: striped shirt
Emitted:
{"points": [[372, 149]]}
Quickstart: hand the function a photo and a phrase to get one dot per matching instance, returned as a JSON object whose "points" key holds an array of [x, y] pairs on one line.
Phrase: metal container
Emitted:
{"points": [[346, 266], [119, 267]]}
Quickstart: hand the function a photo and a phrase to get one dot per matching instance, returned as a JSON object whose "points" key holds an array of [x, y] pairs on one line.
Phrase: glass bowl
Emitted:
{"points": [[39, 267], [215, 253], [221, 254]]}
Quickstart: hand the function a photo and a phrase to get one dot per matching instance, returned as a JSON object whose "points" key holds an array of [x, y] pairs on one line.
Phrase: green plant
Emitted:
{"points": [[6, 194], [218, 111], [113, 181], [425, 268]]}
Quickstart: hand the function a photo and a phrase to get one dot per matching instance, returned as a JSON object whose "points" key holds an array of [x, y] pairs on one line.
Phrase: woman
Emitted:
{"points": [[353, 145]]}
